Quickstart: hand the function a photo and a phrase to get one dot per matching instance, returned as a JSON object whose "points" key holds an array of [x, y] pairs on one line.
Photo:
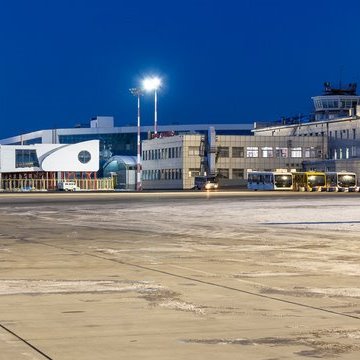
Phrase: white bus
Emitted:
{"points": [[341, 181], [270, 180]]}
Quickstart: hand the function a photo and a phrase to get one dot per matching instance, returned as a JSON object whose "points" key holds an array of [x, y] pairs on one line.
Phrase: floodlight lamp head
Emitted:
{"points": [[152, 83], [135, 91]]}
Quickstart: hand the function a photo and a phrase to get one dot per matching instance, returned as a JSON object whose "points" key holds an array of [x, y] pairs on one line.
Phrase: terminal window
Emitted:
{"points": [[238, 173], [252, 152], [237, 152], [194, 172], [296, 152], [267, 152], [223, 173], [281, 152], [223, 151], [193, 151], [26, 158]]}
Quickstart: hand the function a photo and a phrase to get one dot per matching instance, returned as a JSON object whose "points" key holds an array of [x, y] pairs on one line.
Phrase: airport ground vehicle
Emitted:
{"points": [[206, 183], [68, 186], [309, 181], [341, 181], [270, 180]]}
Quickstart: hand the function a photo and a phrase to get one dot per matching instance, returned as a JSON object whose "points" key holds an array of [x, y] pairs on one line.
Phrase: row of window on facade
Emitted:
{"points": [[222, 173], [336, 104], [162, 154], [335, 134], [236, 152], [343, 134], [264, 152], [345, 153], [162, 174], [238, 174]]}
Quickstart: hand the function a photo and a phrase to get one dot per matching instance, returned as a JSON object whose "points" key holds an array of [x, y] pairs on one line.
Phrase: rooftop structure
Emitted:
{"points": [[336, 102], [336, 121]]}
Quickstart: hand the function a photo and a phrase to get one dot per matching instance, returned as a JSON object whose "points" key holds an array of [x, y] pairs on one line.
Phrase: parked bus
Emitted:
{"points": [[309, 181], [341, 181], [270, 180]]}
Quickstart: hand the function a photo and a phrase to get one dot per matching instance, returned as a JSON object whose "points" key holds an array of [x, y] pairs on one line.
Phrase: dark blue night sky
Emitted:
{"points": [[63, 62]]}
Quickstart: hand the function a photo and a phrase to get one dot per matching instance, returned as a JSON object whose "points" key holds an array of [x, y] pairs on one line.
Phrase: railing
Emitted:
{"points": [[19, 185]]}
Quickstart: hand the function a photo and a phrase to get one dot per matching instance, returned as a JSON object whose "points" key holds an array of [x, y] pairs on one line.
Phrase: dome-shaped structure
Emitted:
{"points": [[123, 168]]}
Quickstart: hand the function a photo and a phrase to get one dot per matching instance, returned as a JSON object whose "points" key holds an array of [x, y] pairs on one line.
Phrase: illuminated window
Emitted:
{"points": [[296, 152], [281, 152], [194, 172], [193, 151], [267, 152], [252, 152], [310, 152]]}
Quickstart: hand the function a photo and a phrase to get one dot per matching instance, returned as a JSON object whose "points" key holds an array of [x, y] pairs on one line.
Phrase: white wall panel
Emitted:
{"points": [[53, 157], [66, 158]]}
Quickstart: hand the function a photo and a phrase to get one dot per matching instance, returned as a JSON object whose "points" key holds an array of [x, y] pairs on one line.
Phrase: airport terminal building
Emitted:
{"points": [[117, 146], [42, 167], [328, 141], [116, 140], [336, 119], [173, 162]]}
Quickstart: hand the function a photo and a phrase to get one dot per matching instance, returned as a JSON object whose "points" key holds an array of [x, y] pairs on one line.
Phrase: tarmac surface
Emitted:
{"points": [[226, 275]]}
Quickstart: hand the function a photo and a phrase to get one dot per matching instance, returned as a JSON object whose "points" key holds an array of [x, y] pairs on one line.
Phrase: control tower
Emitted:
{"points": [[336, 102]]}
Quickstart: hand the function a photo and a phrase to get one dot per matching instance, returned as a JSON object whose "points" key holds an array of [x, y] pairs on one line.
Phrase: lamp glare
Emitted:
{"points": [[152, 83]]}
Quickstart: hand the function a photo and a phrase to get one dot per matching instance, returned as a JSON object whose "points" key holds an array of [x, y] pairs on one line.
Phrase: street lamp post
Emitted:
{"points": [[149, 84], [137, 92], [155, 111]]}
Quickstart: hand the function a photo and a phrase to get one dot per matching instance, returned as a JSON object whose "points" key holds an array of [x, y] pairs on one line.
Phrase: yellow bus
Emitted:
{"points": [[309, 181]]}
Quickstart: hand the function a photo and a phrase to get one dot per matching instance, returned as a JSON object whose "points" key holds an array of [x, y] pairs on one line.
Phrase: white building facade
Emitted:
{"points": [[42, 166], [173, 162]]}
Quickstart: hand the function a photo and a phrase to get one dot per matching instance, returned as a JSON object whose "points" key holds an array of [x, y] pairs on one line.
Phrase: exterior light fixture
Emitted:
{"points": [[153, 84]]}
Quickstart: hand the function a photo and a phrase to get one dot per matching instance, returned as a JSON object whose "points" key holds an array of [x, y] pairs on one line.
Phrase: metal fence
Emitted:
{"points": [[18, 185]]}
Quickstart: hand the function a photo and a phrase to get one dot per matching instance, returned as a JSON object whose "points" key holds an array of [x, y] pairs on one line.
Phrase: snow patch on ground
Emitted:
{"points": [[349, 292], [15, 287], [182, 306], [215, 218], [265, 274]]}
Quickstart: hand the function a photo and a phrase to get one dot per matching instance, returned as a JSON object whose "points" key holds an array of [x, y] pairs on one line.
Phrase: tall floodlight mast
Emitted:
{"points": [[153, 84], [138, 92]]}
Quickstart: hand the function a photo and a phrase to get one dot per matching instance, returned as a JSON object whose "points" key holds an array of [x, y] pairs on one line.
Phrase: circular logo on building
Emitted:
{"points": [[84, 156]]}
